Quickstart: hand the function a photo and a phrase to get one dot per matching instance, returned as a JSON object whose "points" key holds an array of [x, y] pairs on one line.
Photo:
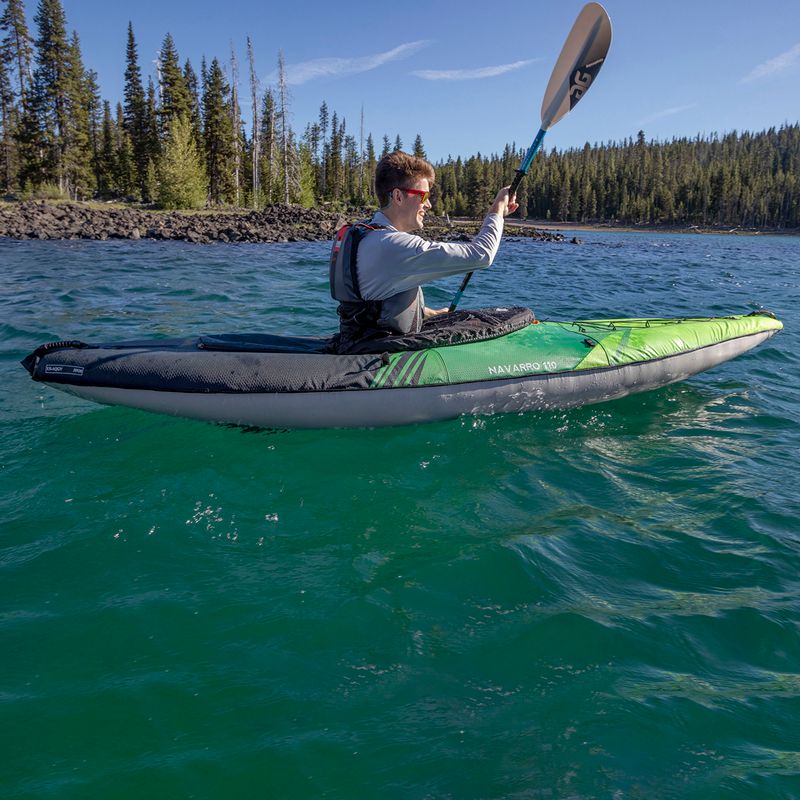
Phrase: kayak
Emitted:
{"points": [[478, 362]]}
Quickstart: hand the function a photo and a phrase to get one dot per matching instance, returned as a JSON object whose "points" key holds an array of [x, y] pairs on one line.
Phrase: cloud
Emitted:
{"points": [[340, 67], [667, 112], [470, 74], [775, 66]]}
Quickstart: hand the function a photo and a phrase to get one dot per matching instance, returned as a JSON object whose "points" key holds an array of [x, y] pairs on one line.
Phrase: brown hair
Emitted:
{"points": [[400, 170]]}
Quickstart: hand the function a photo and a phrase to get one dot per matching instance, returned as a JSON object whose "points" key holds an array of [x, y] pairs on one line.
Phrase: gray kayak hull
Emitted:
{"points": [[404, 406]]}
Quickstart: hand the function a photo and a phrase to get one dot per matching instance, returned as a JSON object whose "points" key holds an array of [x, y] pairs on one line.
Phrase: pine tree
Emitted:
{"points": [[419, 148], [218, 136], [267, 137], [175, 97], [335, 159], [16, 49], [255, 157], [181, 180], [196, 118], [95, 112], [50, 91], [305, 195], [7, 127], [290, 169], [106, 162], [369, 166], [323, 133], [236, 124], [77, 174], [135, 115]]}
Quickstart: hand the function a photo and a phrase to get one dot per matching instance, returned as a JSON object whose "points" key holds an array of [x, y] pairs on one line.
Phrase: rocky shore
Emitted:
{"points": [[281, 223]]}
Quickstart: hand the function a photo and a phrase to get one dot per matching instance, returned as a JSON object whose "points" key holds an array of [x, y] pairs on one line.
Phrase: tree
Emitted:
{"points": [[289, 166], [323, 134], [236, 123], [181, 179], [335, 168], [47, 121], [267, 138], [256, 155], [95, 113], [106, 161], [7, 126], [77, 173], [419, 148], [175, 98], [218, 136], [190, 78], [135, 114], [16, 51], [371, 163]]}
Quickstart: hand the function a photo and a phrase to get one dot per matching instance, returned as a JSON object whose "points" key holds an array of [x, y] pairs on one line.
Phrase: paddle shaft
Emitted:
{"points": [[521, 173], [582, 55]]}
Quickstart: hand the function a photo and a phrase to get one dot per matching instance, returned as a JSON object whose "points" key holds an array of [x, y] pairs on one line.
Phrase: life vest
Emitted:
{"points": [[358, 318], [343, 274]]}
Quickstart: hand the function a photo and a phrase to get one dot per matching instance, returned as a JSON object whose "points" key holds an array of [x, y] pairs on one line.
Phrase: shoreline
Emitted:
{"points": [[566, 227], [69, 220]]}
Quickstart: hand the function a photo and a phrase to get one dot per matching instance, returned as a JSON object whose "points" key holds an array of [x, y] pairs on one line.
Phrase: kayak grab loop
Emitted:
{"points": [[30, 361], [762, 313]]}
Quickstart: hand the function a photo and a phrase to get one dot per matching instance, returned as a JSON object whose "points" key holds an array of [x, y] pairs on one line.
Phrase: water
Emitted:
{"points": [[600, 603]]}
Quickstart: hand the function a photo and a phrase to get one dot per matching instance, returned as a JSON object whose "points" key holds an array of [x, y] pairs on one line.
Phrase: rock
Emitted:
{"points": [[279, 223]]}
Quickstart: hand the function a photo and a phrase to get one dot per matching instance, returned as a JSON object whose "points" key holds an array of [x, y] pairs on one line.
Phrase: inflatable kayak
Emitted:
{"points": [[470, 362]]}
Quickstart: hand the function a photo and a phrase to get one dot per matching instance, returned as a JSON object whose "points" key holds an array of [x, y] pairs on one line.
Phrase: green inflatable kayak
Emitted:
{"points": [[471, 362]]}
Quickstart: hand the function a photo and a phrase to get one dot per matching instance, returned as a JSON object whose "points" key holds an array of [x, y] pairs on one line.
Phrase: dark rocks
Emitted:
{"points": [[38, 220], [279, 223], [441, 229]]}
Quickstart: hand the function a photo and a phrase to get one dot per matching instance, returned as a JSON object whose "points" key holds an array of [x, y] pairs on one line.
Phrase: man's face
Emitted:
{"points": [[411, 211]]}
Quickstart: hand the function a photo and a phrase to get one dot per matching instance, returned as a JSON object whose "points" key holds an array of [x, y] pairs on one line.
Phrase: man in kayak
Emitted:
{"points": [[377, 266]]}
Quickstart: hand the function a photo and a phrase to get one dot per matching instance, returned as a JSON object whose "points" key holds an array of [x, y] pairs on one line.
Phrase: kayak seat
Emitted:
{"points": [[458, 327]]}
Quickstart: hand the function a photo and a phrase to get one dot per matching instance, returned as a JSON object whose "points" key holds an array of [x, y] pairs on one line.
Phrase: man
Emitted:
{"points": [[377, 267]]}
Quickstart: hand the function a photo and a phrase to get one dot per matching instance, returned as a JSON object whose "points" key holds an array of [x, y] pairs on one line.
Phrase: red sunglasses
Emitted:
{"points": [[423, 194]]}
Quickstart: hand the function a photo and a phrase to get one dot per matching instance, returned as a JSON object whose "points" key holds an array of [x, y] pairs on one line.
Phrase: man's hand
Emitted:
{"points": [[503, 204], [429, 313]]}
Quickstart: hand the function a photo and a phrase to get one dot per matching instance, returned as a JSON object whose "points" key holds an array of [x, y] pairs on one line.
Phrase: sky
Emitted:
{"points": [[469, 76]]}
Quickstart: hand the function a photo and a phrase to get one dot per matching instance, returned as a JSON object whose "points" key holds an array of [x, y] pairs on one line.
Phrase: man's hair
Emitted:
{"points": [[400, 170]]}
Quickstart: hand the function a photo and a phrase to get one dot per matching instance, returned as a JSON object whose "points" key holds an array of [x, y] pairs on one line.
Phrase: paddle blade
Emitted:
{"points": [[583, 54]]}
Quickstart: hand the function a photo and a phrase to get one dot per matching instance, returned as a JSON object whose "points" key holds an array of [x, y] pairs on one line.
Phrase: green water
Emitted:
{"points": [[601, 603]]}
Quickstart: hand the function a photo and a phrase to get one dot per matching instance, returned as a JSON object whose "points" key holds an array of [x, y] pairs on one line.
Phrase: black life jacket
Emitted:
{"points": [[358, 318]]}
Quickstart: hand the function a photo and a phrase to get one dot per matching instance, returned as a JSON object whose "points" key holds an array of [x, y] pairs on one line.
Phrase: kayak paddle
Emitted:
{"points": [[582, 55]]}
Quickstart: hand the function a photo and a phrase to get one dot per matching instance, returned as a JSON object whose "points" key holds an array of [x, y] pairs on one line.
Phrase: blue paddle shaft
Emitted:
{"points": [[524, 166]]}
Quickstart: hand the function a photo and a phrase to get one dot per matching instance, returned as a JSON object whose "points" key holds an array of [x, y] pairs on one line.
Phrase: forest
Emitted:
{"points": [[183, 142]]}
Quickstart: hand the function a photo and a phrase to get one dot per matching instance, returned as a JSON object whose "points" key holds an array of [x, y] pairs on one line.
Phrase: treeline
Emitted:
{"points": [[740, 180], [183, 142]]}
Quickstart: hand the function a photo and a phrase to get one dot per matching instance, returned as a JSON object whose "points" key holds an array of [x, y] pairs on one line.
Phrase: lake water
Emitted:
{"points": [[599, 603]]}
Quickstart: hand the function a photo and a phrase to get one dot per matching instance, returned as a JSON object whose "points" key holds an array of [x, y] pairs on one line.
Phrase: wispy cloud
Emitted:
{"points": [[775, 66], [340, 67], [667, 112], [470, 74]]}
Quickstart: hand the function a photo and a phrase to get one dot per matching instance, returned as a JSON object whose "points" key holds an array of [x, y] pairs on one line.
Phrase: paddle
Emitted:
{"points": [[581, 57]]}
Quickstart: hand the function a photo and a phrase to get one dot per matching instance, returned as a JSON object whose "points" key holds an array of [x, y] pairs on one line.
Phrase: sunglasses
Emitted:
{"points": [[423, 195]]}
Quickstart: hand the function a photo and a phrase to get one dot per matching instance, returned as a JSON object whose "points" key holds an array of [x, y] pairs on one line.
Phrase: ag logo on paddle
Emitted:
{"points": [[582, 79]]}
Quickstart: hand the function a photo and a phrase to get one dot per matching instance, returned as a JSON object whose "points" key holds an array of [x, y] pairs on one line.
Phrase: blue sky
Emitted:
{"points": [[469, 76]]}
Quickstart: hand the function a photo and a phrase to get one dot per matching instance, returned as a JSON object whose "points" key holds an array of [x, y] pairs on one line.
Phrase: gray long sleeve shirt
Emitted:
{"points": [[392, 265]]}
